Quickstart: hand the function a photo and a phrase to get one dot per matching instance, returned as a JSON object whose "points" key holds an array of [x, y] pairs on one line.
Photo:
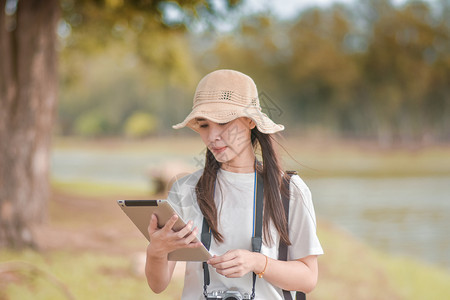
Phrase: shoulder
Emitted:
{"points": [[298, 188], [182, 192], [188, 179], [301, 204]]}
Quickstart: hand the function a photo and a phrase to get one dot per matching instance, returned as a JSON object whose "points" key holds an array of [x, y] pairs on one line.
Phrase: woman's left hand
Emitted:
{"points": [[236, 263]]}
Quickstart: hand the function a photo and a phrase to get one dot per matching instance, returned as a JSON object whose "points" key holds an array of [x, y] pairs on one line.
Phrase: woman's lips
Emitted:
{"points": [[218, 150]]}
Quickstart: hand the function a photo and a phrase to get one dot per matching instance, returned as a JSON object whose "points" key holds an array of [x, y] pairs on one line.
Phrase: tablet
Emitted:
{"points": [[140, 212]]}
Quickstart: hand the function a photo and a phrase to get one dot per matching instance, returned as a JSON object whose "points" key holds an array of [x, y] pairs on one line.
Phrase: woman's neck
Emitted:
{"points": [[244, 163], [238, 169]]}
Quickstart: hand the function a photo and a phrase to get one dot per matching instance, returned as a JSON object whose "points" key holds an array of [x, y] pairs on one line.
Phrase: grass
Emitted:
{"points": [[417, 281], [96, 189], [67, 275], [354, 270]]}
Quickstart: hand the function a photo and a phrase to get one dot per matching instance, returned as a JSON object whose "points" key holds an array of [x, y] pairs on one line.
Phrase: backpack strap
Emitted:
{"points": [[282, 249]]}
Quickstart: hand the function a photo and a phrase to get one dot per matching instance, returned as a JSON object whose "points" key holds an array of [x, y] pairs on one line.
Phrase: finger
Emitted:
{"points": [[225, 264], [186, 241], [194, 245], [185, 231], [191, 238], [153, 225], [237, 274], [232, 272], [169, 225], [214, 260], [229, 255]]}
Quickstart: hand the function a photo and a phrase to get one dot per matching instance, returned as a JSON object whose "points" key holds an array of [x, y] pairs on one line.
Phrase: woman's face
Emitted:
{"points": [[229, 142]]}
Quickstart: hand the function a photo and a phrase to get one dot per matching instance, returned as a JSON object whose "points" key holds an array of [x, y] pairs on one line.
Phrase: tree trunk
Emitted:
{"points": [[28, 96]]}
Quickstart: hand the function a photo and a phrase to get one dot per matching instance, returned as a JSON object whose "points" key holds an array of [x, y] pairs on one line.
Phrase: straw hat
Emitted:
{"points": [[225, 95]]}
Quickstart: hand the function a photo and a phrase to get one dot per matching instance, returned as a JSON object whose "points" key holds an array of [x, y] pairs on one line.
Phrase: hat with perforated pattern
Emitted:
{"points": [[225, 95]]}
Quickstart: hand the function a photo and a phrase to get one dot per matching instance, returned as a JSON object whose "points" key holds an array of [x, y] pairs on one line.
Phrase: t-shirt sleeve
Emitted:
{"points": [[182, 192], [183, 199], [302, 221]]}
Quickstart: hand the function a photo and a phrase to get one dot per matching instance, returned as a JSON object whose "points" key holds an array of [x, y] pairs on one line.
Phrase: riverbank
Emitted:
{"points": [[90, 250], [312, 157]]}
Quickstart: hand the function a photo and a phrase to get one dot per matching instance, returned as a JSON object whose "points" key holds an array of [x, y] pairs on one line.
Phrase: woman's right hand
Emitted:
{"points": [[165, 240]]}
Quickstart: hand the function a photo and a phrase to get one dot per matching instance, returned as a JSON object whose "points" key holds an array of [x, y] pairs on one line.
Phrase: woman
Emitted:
{"points": [[227, 115]]}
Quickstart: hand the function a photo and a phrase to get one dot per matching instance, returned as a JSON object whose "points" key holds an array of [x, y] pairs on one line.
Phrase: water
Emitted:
{"points": [[120, 168], [403, 216]]}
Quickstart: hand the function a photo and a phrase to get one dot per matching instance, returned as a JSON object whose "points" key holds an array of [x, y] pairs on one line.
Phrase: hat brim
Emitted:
{"points": [[227, 113]]}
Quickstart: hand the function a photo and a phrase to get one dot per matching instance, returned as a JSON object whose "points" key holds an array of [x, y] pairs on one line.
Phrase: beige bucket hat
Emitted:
{"points": [[225, 95]]}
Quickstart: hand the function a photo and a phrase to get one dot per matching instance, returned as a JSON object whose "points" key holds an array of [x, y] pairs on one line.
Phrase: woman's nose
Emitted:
{"points": [[215, 133]]}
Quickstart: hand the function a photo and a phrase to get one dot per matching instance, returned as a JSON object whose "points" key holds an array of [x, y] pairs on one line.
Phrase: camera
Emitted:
{"points": [[227, 295]]}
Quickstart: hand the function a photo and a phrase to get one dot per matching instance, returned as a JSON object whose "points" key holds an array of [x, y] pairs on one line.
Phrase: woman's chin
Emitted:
{"points": [[221, 158]]}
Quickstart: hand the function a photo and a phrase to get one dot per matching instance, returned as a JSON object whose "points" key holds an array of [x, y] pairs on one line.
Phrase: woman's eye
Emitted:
{"points": [[223, 124], [203, 125]]}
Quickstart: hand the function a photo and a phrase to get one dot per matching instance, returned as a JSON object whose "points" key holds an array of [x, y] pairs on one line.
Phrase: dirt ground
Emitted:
{"points": [[85, 223]]}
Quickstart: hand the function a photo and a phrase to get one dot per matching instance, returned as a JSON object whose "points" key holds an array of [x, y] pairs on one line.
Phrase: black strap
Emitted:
{"points": [[282, 248], [257, 226], [206, 240], [259, 205], [256, 238]]}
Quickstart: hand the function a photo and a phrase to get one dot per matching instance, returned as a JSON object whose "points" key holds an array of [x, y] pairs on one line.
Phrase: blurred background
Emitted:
{"points": [[363, 88]]}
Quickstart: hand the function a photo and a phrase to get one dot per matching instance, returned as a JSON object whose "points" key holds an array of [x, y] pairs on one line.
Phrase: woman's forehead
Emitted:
{"points": [[207, 120]]}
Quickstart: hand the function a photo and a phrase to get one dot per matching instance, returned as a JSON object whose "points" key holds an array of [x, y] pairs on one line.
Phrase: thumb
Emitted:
{"points": [[153, 226]]}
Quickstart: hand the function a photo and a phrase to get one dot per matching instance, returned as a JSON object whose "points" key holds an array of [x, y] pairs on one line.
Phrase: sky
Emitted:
{"points": [[286, 9], [281, 9]]}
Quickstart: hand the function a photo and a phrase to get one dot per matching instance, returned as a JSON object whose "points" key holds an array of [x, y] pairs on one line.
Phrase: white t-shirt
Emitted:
{"points": [[234, 199]]}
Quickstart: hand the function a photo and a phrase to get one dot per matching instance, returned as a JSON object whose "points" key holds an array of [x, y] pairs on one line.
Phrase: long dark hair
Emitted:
{"points": [[273, 178]]}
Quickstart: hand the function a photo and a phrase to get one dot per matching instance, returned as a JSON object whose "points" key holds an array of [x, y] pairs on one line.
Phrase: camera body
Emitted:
{"points": [[227, 295]]}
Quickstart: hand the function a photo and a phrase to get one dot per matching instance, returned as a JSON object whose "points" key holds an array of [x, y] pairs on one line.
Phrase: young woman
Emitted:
{"points": [[227, 116]]}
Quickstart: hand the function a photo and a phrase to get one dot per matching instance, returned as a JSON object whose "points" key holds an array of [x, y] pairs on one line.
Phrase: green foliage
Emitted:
{"points": [[141, 26], [368, 71], [91, 124], [140, 124], [371, 70]]}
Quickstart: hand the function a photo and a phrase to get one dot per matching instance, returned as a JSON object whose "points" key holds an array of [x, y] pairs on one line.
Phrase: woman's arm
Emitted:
{"points": [[158, 269], [295, 275]]}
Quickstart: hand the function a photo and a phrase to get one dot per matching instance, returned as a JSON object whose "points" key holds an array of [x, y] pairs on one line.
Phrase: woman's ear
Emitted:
{"points": [[251, 123]]}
